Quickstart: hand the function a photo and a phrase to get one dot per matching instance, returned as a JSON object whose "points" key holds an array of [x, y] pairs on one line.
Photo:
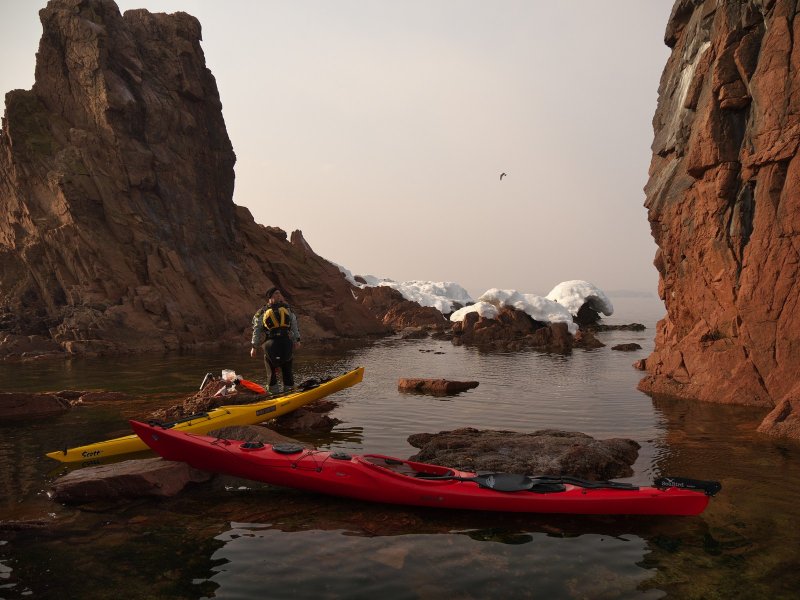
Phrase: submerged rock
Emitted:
{"points": [[586, 339], [311, 417], [149, 477], [626, 347], [545, 452], [435, 387], [23, 405], [784, 419], [15, 406]]}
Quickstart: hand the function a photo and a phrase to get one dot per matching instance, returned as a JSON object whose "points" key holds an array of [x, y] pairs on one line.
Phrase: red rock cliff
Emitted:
{"points": [[723, 203], [116, 182]]}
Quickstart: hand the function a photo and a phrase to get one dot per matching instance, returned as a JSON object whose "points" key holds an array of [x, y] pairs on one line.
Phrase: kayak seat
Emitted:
{"points": [[423, 475], [548, 488], [397, 466]]}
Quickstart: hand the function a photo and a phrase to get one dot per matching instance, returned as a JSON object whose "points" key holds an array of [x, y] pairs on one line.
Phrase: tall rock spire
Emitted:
{"points": [[119, 230]]}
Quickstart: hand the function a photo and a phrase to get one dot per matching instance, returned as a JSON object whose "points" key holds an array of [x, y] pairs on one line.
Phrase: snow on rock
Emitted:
{"points": [[484, 309], [574, 294], [438, 294], [539, 308], [441, 295], [559, 306]]}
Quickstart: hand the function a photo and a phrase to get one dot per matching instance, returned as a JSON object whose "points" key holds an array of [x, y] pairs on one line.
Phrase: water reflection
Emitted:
{"points": [[237, 539], [525, 564], [344, 438]]}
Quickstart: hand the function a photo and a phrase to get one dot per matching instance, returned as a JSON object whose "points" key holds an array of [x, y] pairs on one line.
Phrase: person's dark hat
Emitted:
{"points": [[271, 291]]}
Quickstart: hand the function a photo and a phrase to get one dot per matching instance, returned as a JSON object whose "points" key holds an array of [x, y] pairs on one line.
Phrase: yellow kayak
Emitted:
{"points": [[223, 416]]}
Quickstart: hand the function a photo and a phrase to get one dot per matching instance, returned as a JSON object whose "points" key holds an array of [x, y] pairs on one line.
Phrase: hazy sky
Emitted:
{"points": [[380, 129]]}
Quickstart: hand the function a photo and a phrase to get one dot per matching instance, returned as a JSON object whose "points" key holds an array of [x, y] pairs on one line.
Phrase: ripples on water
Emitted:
{"points": [[236, 539]]}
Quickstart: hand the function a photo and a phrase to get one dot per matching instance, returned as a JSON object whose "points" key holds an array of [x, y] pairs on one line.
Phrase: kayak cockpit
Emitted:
{"points": [[405, 468]]}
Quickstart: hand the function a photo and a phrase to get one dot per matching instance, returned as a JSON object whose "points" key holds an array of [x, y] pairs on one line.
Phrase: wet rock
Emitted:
{"points": [[19, 405], [545, 452], [435, 387], [640, 365], [35, 524], [255, 433], [512, 330], [446, 334], [784, 419], [71, 395], [125, 480], [26, 347], [393, 310], [88, 397], [414, 333], [587, 340], [307, 418], [626, 347]]}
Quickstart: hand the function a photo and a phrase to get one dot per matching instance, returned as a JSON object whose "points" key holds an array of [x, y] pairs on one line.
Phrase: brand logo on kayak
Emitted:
{"points": [[264, 411], [667, 482], [89, 454], [431, 498]]}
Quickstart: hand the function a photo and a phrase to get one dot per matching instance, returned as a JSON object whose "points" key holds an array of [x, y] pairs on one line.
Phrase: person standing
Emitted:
{"points": [[275, 327]]}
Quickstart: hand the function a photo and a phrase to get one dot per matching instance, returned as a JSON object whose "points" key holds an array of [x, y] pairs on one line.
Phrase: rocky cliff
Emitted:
{"points": [[119, 231], [723, 203]]}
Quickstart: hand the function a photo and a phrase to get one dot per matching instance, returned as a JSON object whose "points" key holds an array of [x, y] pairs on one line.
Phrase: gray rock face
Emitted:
{"points": [[545, 452]]}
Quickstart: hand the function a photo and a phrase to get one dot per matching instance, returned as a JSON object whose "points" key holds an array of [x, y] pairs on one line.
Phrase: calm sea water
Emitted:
{"points": [[238, 539]]}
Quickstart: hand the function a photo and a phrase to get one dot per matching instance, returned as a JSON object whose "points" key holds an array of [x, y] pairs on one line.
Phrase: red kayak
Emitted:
{"points": [[378, 478]]}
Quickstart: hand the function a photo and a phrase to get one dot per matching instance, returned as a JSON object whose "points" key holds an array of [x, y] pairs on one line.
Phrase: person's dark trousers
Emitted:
{"points": [[286, 372], [278, 355]]}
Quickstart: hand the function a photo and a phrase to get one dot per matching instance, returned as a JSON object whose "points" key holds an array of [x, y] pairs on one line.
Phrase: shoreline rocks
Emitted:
{"points": [[19, 406], [149, 477], [512, 330], [544, 452]]}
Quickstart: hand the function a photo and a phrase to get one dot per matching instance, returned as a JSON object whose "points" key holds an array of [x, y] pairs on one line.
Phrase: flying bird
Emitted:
{"points": [[501, 176]]}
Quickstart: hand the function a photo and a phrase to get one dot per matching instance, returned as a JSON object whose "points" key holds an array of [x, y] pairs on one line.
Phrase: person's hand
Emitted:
{"points": [[252, 352], [297, 345]]}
